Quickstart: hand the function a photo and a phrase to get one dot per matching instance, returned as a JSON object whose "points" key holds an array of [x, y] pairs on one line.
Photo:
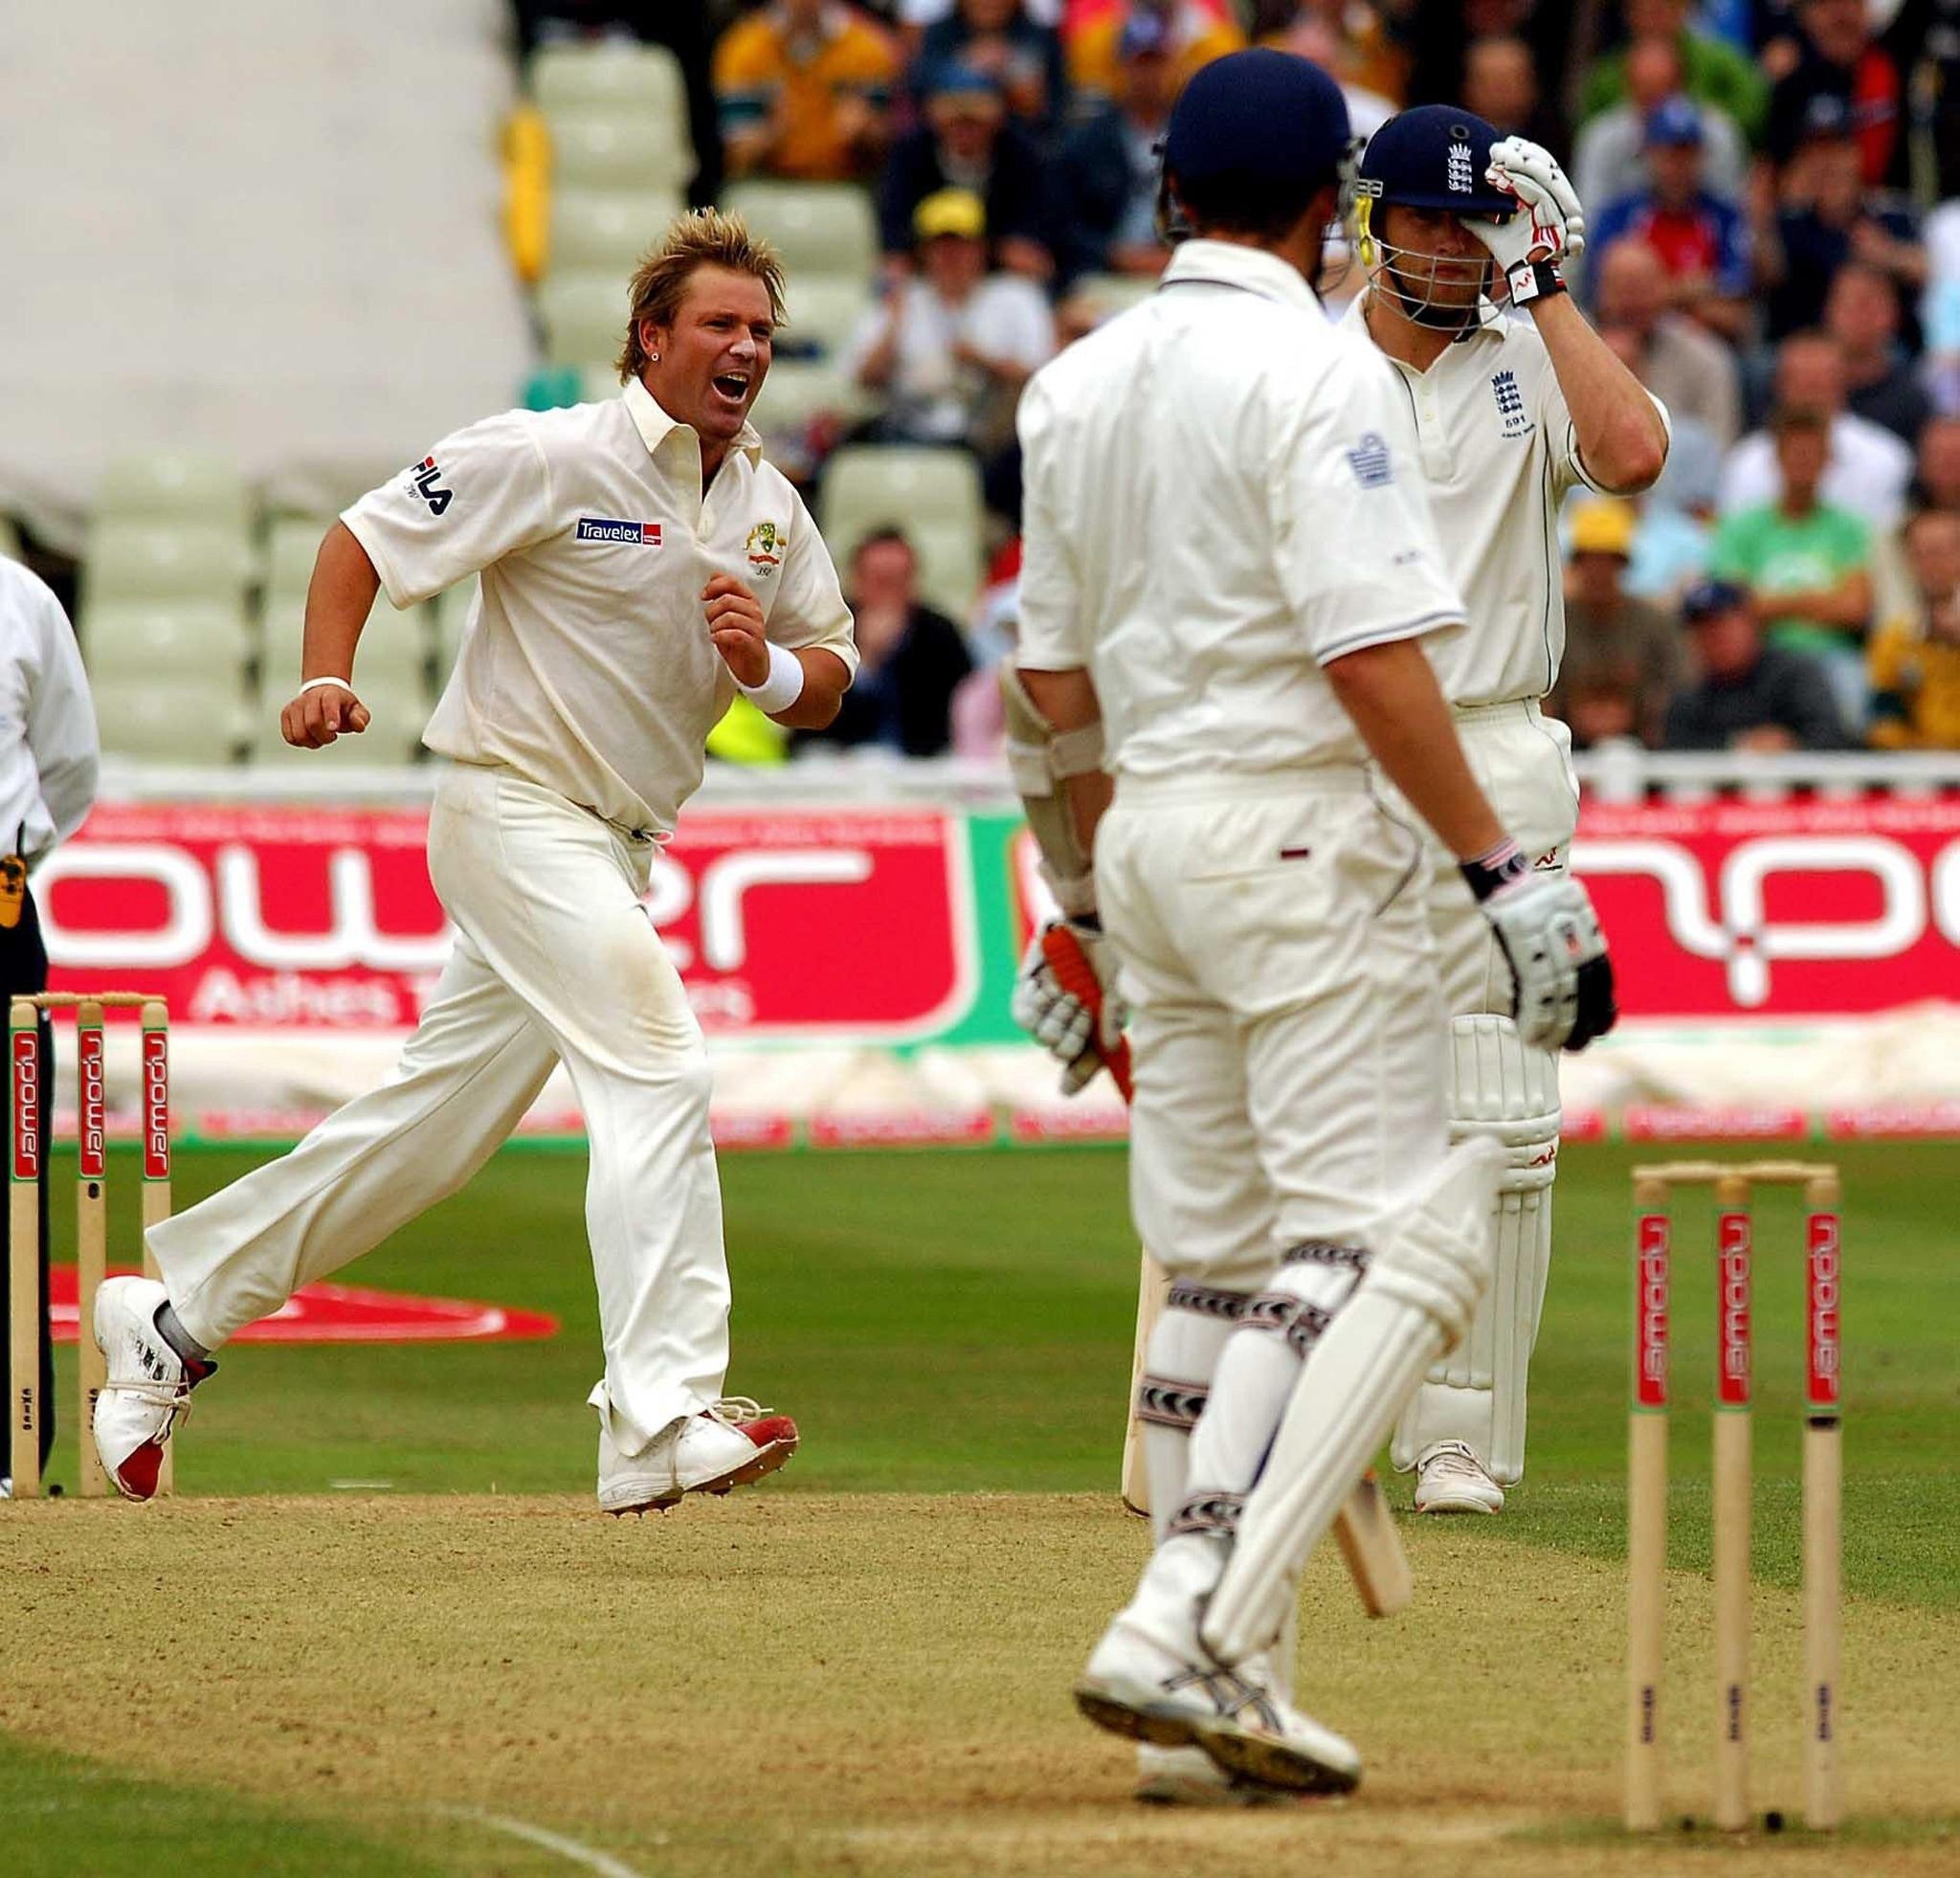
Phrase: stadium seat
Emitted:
{"points": [[173, 487], [798, 389], [164, 560], [818, 228], [933, 495], [150, 718], [175, 640], [607, 231], [615, 74], [823, 312], [618, 149], [584, 315]]}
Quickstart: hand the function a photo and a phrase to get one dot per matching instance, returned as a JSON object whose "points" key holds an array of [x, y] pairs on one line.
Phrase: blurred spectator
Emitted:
{"points": [[1836, 59], [1608, 158], [1001, 38], [1924, 37], [910, 658], [1862, 316], [967, 142], [1748, 695], [952, 346], [1939, 307], [1685, 366], [684, 31], [1713, 72], [1868, 468], [1825, 217], [1701, 240], [1360, 49], [1198, 35], [1501, 83], [1104, 177], [1915, 663], [1936, 477], [1622, 659], [1808, 564], [805, 91], [1313, 33]]}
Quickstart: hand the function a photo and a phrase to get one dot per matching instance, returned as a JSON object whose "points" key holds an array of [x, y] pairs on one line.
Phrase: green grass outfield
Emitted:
{"points": [[959, 1323]]}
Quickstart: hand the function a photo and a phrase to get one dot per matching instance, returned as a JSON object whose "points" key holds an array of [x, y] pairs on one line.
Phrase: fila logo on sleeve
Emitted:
{"points": [[426, 482], [640, 534]]}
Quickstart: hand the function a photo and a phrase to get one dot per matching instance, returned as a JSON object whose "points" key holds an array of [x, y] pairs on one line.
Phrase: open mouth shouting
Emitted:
{"points": [[734, 388]]}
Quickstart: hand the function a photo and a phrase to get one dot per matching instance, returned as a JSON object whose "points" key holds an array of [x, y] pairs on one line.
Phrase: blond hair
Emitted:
{"points": [[704, 238]]}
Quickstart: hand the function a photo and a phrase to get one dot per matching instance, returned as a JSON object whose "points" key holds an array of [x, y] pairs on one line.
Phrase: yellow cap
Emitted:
{"points": [[950, 211], [1603, 527]]}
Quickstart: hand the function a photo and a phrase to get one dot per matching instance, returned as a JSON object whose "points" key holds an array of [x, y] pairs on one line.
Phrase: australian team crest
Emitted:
{"points": [[766, 545]]}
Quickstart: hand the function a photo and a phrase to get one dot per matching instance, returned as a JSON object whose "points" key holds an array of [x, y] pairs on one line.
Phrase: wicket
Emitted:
{"points": [[1647, 1485], [29, 1110]]}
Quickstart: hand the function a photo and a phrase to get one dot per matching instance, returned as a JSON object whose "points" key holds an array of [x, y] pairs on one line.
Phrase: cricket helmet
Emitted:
{"points": [[1434, 157]]}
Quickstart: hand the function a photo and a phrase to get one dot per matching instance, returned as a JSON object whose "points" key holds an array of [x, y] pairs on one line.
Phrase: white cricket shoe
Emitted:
{"points": [[149, 1385], [727, 1447], [1189, 1776], [1169, 1699], [1450, 1479]]}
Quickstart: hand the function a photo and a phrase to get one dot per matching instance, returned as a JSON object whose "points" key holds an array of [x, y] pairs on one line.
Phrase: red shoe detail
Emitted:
{"points": [[137, 1476], [770, 1428]]}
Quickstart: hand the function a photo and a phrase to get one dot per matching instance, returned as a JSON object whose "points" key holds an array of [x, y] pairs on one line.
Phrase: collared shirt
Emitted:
{"points": [[586, 665], [48, 751], [1498, 451], [1220, 495]]}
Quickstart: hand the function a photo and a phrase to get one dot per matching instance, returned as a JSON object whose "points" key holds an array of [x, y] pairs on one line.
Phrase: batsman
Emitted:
{"points": [[1227, 724]]}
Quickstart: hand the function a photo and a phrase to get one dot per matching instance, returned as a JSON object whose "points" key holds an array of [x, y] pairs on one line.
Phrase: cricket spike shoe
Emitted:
{"points": [[1450, 1479], [149, 1385], [1189, 1776], [1136, 1686], [729, 1445]]}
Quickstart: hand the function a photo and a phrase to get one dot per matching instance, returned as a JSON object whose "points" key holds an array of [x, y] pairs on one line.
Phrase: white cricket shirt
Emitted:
{"points": [[586, 665], [1498, 453], [1220, 495], [47, 749]]}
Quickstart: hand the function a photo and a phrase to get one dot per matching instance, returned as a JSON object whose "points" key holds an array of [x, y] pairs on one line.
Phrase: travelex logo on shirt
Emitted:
{"points": [[642, 534], [1370, 461]]}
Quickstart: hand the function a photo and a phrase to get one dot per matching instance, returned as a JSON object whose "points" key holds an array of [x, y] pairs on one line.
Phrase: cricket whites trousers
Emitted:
{"points": [[555, 960], [1499, 1086], [1287, 1028]]}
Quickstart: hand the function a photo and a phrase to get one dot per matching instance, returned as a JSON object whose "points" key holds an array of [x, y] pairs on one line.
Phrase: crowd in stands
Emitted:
{"points": [[1772, 196], [1773, 252]]}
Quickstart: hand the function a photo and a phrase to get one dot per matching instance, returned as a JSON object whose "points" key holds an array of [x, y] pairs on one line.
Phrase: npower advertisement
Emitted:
{"points": [[903, 926]]}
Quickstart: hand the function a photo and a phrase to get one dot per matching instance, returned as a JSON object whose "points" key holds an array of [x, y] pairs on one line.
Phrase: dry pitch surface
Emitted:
{"points": [[785, 1685]]}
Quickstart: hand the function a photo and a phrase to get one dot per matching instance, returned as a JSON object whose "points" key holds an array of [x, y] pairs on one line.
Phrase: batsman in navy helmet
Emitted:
{"points": [[1231, 595], [1516, 400]]}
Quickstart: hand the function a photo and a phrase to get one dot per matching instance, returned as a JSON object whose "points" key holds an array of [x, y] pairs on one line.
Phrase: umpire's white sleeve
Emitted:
{"points": [[58, 717], [1356, 551]]}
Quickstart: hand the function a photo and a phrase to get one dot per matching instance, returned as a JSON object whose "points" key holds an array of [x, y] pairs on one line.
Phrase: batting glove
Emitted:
{"points": [[1550, 933], [1550, 224], [1067, 1024]]}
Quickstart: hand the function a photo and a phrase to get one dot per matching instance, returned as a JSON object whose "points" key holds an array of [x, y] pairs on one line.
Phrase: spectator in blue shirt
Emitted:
{"points": [[1104, 177], [1701, 240], [997, 37]]}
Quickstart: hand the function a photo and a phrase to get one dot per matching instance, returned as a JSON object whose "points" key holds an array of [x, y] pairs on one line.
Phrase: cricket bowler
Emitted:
{"points": [[641, 565], [1231, 591], [1510, 413]]}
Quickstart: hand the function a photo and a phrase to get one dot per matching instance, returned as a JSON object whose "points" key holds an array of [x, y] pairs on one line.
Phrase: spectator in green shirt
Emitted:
{"points": [[1807, 562], [1713, 71]]}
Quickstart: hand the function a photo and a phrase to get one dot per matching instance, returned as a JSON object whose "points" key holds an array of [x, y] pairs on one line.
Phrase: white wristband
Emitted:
{"points": [[783, 686], [314, 684]]}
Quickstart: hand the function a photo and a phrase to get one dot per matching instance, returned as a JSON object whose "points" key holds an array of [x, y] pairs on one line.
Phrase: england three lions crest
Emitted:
{"points": [[766, 547]]}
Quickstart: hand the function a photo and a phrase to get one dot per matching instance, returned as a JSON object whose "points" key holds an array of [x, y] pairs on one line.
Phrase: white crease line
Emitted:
{"points": [[566, 1849]]}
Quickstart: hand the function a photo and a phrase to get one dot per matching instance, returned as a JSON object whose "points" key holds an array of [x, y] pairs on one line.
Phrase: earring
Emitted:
{"points": [[654, 357]]}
